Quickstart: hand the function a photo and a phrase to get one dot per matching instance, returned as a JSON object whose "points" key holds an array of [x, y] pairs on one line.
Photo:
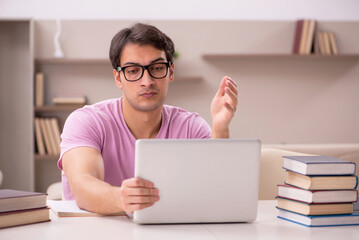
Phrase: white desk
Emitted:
{"points": [[267, 226]]}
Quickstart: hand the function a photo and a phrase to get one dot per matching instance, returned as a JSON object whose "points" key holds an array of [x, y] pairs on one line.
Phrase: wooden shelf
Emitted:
{"points": [[38, 157], [56, 108], [72, 61], [239, 56], [189, 79]]}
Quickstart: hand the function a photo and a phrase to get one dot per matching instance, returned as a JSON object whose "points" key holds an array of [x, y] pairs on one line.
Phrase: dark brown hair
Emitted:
{"points": [[142, 34]]}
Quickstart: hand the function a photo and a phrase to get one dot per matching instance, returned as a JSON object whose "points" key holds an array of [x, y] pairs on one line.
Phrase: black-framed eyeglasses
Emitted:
{"points": [[135, 72]]}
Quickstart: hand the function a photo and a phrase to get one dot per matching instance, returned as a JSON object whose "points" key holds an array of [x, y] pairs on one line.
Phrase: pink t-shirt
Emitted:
{"points": [[102, 126]]}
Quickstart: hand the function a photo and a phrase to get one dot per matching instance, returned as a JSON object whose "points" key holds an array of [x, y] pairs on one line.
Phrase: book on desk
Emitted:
{"points": [[22, 207], [318, 186]]}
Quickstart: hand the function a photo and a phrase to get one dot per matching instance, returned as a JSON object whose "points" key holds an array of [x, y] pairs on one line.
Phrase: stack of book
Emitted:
{"points": [[21, 208], [318, 191], [308, 40], [47, 135]]}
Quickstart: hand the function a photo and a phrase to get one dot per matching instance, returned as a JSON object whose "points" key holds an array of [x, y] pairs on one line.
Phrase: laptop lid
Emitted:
{"points": [[206, 180]]}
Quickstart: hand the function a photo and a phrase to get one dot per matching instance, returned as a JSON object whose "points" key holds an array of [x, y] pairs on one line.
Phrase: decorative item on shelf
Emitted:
{"points": [[58, 51]]}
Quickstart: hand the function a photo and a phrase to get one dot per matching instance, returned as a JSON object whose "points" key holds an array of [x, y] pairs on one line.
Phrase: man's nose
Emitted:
{"points": [[146, 79]]}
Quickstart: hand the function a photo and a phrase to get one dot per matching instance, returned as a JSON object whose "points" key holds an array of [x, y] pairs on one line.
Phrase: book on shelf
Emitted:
{"points": [[53, 146], [333, 43], [24, 217], [297, 37], [39, 89], [314, 208], [13, 200], [303, 37], [310, 37], [318, 165], [47, 134], [320, 43], [319, 220], [321, 182], [327, 50], [56, 133], [322, 196], [39, 138], [70, 209], [69, 100]]}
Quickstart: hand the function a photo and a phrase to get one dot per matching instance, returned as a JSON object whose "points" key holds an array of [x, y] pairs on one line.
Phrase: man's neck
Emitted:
{"points": [[142, 124]]}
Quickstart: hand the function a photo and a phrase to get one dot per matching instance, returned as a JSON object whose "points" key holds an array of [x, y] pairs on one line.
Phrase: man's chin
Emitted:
{"points": [[148, 107]]}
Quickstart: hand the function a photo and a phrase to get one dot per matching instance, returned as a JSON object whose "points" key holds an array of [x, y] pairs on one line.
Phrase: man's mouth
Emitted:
{"points": [[148, 94]]}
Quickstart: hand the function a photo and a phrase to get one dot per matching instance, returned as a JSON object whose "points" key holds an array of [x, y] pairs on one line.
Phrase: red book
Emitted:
{"points": [[298, 33]]}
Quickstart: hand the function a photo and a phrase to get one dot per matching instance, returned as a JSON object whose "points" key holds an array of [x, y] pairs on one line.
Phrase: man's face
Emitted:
{"points": [[146, 94]]}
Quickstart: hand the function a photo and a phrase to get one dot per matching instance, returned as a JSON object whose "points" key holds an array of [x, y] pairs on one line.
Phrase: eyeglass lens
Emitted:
{"points": [[156, 70]]}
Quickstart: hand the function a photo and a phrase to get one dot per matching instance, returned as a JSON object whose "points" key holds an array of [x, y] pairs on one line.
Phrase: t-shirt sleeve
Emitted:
{"points": [[81, 129], [199, 128]]}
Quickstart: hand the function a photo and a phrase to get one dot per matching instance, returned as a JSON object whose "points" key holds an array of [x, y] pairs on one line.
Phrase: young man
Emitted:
{"points": [[98, 141]]}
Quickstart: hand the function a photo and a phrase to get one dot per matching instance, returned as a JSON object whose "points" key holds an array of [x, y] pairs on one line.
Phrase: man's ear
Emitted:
{"points": [[118, 82], [172, 72]]}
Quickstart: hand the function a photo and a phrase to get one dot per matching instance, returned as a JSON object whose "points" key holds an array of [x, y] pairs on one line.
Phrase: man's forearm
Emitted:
{"points": [[97, 196], [220, 133]]}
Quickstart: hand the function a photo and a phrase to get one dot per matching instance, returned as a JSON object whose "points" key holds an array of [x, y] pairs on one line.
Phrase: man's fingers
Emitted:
{"points": [[221, 89], [137, 182], [233, 86], [135, 207], [142, 191], [232, 97], [142, 199]]}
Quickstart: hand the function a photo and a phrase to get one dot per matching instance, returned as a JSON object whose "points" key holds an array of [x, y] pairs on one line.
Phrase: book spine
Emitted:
{"points": [[298, 33]]}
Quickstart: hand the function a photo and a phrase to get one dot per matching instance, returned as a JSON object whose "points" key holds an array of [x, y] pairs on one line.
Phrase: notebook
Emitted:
{"points": [[200, 181]]}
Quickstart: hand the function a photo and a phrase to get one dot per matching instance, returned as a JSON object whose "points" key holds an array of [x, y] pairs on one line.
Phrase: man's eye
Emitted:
{"points": [[132, 71]]}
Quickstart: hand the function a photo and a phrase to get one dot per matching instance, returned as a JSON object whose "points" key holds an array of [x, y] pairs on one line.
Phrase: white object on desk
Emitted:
{"points": [[199, 180]]}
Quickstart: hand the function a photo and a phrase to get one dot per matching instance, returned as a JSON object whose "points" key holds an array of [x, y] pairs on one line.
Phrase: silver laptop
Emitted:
{"points": [[200, 181]]}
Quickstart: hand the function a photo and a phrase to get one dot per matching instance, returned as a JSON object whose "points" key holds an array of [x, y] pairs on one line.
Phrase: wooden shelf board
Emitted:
{"points": [[237, 56], [54, 108], [39, 157], [189, 79], [72, 61]]}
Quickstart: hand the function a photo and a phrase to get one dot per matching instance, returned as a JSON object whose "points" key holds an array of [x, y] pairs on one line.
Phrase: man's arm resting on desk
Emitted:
{"points": [[84, 169]]}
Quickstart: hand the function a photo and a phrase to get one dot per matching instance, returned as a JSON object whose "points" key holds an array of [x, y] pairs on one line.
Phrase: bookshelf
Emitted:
{"points": [[240, 56], [204, 59], [16, 104]]}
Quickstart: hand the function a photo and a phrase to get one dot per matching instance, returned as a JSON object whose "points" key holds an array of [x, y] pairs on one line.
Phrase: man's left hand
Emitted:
{"points": [[223, 107]]}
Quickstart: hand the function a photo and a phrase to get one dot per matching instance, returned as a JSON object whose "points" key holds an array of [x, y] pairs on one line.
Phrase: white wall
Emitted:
{"points": [[182, 9]]}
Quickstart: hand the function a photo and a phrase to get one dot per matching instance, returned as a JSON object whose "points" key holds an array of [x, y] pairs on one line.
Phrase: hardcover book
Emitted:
{"points": [[12, 200], [314, 209], [318, 165], [23, 217], [297, 37], [322, 196], [321, 182], [320, 221]]}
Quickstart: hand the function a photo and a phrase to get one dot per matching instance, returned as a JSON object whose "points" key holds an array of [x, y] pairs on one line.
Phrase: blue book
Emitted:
{"points": [[318, 165], [320, 221]]}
